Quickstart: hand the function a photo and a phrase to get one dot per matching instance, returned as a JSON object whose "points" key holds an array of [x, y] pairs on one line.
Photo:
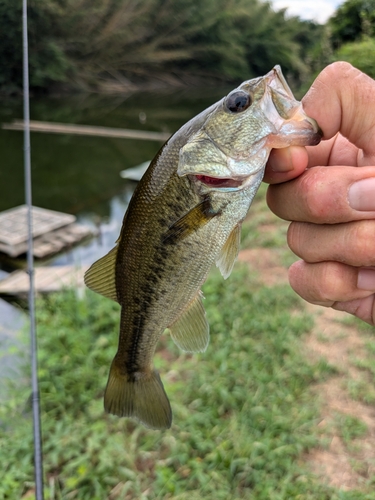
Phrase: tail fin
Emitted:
{"points": [[141, 396]]}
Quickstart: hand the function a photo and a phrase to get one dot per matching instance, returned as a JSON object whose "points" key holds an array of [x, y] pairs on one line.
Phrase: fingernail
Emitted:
{"points": [[366, 279], [361, 195], [280, 160]]}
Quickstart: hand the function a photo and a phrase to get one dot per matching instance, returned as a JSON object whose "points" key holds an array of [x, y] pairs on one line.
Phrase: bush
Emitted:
{"points": [[359, 54], [88, 42], [47, 61]]}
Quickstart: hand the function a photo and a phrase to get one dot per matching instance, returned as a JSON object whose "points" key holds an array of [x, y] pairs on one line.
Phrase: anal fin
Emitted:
{"points": [[229, 252], [190, 332]]}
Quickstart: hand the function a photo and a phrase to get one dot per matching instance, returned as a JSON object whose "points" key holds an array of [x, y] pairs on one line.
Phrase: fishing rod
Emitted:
{"points": [[38, 455]]}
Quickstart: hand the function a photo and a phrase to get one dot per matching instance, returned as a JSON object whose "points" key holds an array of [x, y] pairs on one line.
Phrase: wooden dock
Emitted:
{"points": [[46, 279], [65, 128], [52, 231]]}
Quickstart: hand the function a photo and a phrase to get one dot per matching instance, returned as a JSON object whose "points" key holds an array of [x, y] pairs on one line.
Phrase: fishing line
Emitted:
{"points": [[38, 456]]}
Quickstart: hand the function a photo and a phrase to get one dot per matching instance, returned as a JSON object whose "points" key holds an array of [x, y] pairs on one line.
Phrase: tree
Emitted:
{"points": [[352, 20], [47, 61], [361, 54], [90, 42]]}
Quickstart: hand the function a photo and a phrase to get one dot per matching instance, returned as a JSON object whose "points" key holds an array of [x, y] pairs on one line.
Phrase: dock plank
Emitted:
{"points": [[52, 231], [66, 128], [13, 223], [46, 279], [61, 239]]}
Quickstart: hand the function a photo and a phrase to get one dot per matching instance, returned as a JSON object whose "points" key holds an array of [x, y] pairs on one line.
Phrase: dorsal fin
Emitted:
{"points": [[101, 277], [229, 252], [190, 331]]}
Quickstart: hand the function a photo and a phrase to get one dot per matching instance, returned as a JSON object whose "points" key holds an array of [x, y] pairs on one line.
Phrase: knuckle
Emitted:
{"points": [[311, 189], [330, 283], [321, 196], [292, 237], [326, 289], [316, 283], [341, 67], [299, 238], [362, 239]]}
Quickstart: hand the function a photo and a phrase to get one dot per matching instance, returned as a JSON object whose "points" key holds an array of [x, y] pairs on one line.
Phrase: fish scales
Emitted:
{"points": [[184, 216]]}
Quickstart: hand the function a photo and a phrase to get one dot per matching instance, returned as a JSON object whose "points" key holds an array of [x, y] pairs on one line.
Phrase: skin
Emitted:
{"points": [[332, 209]]}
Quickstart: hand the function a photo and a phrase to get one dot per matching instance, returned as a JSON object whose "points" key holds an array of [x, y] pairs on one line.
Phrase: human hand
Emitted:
{"points": [[332, 209]]}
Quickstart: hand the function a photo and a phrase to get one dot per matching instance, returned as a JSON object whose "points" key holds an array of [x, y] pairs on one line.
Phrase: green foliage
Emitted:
{"points": [[231, 38], [351, 33], [243, 413], [255, 229], [360, 54], [347, 36], [361, 390], [90, 42], [48, 62], [350, 427], [352, 20]]}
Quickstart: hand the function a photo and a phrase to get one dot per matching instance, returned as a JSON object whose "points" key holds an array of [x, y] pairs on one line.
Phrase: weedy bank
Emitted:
{"points": [[244, 411]]}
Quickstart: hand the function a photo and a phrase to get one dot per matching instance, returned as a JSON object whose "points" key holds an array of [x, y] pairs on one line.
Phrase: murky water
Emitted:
{"points": [[80, 174]]}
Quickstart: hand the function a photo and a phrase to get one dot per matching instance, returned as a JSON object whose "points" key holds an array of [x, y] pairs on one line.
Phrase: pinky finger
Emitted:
{"points": [[364, 308], [333, 284]]}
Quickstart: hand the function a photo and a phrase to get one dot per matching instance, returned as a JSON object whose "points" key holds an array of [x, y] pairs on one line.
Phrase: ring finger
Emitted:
{"points": [[351, 243]]}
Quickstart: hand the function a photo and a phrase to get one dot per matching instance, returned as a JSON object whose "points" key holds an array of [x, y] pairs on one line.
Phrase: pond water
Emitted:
{"points": [[81, 174]]}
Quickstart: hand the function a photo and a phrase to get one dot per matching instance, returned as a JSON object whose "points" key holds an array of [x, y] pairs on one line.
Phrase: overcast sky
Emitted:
{"points": [[318, 10]]}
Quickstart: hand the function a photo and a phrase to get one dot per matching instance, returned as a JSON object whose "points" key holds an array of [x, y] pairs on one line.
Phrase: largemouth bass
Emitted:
{"points": [[185, 215]]}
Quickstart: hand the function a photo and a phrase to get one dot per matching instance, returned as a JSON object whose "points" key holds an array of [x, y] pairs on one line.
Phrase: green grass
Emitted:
{"points": [[262, 229], [256, 228], [362, 388], [349, 427], [243, 410]]}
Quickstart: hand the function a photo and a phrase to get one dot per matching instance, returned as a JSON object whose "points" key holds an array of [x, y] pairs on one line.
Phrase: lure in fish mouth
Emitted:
{"points": [[185, 215]]}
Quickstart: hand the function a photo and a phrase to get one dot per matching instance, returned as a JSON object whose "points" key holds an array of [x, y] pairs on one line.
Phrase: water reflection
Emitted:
{"points": [[12, 321], [109, 230], [77, 173]]}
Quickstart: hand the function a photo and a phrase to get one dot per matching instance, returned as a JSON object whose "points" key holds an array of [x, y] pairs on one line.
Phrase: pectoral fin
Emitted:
{"points": [[100, 277], [190, 331], [197, 217], [229, 252]]}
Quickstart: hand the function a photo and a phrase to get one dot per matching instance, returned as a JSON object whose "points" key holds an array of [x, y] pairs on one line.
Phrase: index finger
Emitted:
{"points": [[324, 195], [342, 99]]}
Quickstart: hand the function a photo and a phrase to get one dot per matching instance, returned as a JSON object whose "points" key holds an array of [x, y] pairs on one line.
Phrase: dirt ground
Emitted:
{"points": [[344, 464]]}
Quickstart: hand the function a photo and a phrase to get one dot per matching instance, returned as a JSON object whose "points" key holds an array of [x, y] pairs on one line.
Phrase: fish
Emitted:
{"points": [[184, 216]]}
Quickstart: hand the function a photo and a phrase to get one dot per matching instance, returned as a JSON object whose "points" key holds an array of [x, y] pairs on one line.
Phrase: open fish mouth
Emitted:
{"points": [[224, 183], [220, 182]]}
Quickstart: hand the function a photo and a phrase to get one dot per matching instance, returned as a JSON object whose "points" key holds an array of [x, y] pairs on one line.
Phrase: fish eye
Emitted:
{"points": [[238, 101]]}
